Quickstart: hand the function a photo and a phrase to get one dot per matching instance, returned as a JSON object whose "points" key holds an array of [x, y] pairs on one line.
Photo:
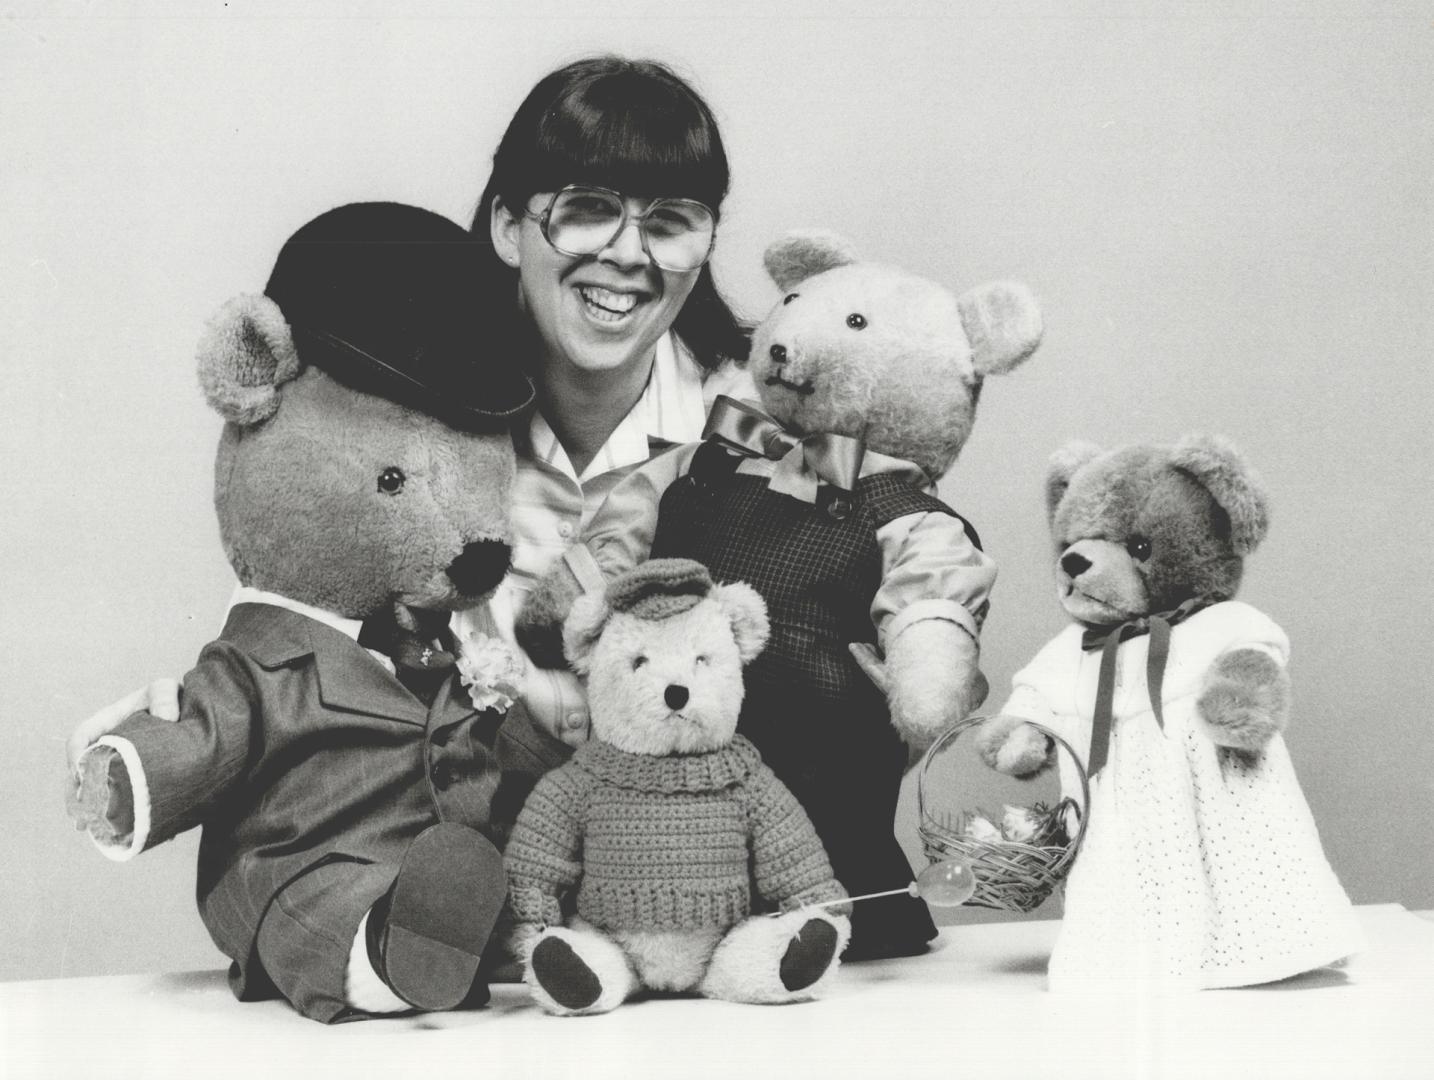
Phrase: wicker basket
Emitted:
{"points": [[1010, 876]]}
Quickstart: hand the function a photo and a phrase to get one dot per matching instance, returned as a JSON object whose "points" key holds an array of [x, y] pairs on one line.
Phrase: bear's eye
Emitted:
{"points": [[790, 297], [856, 321], [390, 481], [638, 661], [1139, 548], [702, 661]]}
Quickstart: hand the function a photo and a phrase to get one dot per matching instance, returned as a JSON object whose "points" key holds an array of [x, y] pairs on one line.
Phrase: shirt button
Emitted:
{"points": [[565, 530], [576, 721]]}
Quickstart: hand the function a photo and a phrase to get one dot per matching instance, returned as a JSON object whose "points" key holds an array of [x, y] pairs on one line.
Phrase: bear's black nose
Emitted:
{"points": [[479, 566], [1074, 565], [778, 354], [675, 696]]}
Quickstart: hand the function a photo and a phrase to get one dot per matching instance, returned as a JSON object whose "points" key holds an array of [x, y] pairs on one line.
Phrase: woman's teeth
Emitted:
{"points": [[606, 305]]}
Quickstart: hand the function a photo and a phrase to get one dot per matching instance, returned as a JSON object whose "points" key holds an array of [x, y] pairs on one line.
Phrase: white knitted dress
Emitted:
{"points": [[1200, 867]]}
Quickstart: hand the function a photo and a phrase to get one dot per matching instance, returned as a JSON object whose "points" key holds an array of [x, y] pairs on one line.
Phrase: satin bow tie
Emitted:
{"points": [[418, 642], [407, 636], [1108, 639], [835, 459]]}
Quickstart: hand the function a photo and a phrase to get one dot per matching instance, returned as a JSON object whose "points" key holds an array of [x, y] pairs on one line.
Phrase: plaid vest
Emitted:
{"points": [[818, 568]]}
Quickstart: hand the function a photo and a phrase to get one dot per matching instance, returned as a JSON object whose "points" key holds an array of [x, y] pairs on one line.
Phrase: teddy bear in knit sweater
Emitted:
{"points": [[643, 862]]}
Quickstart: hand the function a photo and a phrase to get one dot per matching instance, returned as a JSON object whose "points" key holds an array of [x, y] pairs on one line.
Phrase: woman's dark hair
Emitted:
{"points": [[633, 126]]}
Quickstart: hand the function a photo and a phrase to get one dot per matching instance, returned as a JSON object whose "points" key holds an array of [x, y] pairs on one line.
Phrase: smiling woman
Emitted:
{"points": [[604, 199]]}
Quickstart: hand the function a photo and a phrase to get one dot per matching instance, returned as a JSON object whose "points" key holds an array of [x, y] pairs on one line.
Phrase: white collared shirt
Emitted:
{"points": [[552, 504], [247, 594]]}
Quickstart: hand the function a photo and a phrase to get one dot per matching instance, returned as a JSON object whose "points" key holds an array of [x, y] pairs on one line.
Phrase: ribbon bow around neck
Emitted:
{"points": [[824, 457], [414, 640], [1108, 639]]}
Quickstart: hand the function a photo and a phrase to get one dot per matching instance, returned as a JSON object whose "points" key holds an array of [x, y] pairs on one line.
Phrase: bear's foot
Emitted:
{"points": [[576, 971], [773, 960], [809, 955], [427, 934], [562, 973]]}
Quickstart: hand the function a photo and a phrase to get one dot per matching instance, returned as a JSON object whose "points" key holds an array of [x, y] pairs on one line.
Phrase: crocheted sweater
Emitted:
{"points": [[663, 843]]}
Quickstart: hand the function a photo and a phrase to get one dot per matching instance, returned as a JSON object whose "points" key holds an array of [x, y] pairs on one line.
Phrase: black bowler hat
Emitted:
{"points": [[386, 298]]}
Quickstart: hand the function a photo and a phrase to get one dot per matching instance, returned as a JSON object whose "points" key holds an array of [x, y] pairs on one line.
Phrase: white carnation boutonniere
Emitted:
{"points": [[492, 670]]}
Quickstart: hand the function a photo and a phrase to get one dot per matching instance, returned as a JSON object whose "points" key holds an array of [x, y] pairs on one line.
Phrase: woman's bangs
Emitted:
{"points": [[650, 150]]}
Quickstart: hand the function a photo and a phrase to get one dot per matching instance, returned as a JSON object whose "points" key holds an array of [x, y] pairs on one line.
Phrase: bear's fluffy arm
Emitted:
{"points": [[1006, 741], [1244, 693], [544, 852], [789, 864]]}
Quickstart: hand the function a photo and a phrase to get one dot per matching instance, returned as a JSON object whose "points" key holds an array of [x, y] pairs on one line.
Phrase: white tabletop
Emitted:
{"points": [[975, 1007]]}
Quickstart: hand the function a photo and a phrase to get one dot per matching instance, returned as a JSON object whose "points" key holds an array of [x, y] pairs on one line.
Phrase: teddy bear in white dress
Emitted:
{"points": [[1201, 865]]}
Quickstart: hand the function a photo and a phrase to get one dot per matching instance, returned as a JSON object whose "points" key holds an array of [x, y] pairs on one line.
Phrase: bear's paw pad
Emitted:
{"points": [[563, 975], [809, 954]]}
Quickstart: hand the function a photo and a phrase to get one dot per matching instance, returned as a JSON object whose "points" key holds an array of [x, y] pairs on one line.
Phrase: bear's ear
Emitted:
{"points": [[1214, 462], [747, 613], [1003, 324], [1064, 464], [805, 253], [583, 627], [246, 353]]}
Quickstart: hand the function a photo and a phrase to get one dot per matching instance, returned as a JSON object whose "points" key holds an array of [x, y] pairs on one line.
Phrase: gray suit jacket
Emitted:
{"points": [[295, 748]]}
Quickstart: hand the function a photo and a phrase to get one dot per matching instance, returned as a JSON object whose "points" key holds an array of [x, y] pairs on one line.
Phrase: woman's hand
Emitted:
{"points": [[160, 699]]}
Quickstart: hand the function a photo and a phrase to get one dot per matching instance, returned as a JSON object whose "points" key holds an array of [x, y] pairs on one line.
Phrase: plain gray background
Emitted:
{"points": [[1224, 209]]}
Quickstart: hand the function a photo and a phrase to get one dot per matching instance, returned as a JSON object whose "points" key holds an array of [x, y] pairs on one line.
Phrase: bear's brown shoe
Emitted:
{"points": [[426, 935]]}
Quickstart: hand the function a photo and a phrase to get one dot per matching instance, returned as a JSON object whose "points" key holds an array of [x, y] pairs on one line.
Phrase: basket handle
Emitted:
{"points": [[950, 734]]}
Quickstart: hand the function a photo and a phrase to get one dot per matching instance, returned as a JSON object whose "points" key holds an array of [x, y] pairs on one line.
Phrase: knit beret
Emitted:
{"points": [[659, 588]]}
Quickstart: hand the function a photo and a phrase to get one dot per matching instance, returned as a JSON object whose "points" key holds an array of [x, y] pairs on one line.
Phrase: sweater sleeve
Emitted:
{"points": [[789, 864], [544, 852]]}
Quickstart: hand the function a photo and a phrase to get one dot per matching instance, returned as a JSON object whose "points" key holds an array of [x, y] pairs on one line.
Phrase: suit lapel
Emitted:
{"points": [[452, 703], [351, 679], [348, 677]]}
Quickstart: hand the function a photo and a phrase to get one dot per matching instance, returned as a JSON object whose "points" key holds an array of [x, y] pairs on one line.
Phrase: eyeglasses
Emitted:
{"points": [[677, 234]]}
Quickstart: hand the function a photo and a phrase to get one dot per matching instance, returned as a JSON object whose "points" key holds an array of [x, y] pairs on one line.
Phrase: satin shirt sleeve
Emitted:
{"points": [[620, 534], [930, 570]]}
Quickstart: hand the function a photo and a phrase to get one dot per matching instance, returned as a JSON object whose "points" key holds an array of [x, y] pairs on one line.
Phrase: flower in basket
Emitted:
{"points": [[978, 827], [1038, 825], [492, 670], [1020, 824]]}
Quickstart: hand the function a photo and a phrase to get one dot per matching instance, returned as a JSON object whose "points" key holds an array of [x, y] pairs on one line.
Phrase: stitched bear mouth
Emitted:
{"points": [[803, 388], [480, 566], [1072, 594]]}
